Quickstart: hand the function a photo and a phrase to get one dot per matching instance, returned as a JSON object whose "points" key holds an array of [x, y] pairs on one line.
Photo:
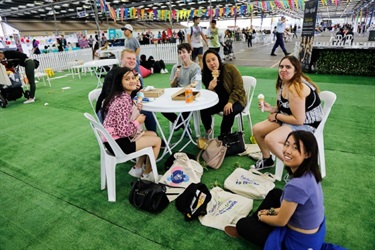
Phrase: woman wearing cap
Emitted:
{"points": [[14, 58]]}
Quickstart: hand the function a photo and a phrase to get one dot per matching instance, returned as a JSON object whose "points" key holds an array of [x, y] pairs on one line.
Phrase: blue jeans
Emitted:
{"points": [[150, 122]]}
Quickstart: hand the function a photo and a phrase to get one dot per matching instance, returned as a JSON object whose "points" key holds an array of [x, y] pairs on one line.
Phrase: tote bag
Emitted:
{"points": [[182, 173], [225, 209], [250, 183]]}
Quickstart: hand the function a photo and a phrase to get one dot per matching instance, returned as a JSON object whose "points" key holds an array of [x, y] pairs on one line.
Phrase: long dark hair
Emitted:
{"points": [[206, 73], [310, 164], [297, 78], [116, 90]]}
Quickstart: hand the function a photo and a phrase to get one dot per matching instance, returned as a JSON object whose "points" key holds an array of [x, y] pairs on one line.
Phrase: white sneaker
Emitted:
{"points": [[150, 177], [162, 71], [31, 100], [136, 172], [166, 71]]}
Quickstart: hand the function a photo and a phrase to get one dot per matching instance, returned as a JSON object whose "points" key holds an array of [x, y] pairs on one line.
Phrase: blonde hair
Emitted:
{"points": [[127, 51]]}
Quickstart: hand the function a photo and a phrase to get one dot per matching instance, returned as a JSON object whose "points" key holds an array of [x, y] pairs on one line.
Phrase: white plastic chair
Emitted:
{"points": [[249, 84], [328, 98], [109, 161], [348, 39], [93, 98]]}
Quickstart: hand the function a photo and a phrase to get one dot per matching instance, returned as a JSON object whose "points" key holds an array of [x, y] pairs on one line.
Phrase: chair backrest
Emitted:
{"points": [[93, 97], [328, 98], [339, 37], [101, 132], [249, 84]]}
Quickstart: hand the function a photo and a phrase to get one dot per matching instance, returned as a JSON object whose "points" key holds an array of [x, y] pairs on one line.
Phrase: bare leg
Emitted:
{"points": [[276, 139], [200, 61], [261, 130], [149, 139]]}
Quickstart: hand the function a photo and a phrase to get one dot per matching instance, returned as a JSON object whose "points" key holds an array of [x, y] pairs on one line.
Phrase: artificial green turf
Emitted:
{"points": [[50, 182]]}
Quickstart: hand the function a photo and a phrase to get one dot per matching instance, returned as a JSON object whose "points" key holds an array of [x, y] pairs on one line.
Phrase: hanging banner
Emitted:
{"points": [[307, 37]]}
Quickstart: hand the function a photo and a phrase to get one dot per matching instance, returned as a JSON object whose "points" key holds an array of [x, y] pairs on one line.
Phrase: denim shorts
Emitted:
{"points": [[307, 128]]}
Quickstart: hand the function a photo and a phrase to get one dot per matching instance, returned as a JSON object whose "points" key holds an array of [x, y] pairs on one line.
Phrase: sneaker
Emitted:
{"points": [[162, 71], [31, 100], [287, 54], [263, 164], [136, 172], [232, 231], [273, 54], [166, 71], [149, 177]]}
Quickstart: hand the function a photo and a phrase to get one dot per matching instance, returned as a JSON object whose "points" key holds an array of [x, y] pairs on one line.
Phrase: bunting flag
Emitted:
{"points": [[112, 13], [102, 5], [122, 14]]}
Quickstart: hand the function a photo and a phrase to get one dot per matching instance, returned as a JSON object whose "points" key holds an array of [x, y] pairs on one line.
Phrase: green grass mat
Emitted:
{"points": [[50, 181]]}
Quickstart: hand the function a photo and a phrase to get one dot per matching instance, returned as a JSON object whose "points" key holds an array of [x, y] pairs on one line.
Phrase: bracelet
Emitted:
{"points": [[276, 117]]}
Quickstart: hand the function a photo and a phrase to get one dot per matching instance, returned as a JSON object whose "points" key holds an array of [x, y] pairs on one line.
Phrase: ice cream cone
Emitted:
{"points": [[261, 101], [215, 73]]}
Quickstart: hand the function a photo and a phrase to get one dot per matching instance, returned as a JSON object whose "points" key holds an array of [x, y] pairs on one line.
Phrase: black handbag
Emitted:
{"points": [[235, 142], [149, 196]]}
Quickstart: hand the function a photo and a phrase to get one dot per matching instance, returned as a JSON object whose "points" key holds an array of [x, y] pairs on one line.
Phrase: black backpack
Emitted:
{"points": [[193, 201]]}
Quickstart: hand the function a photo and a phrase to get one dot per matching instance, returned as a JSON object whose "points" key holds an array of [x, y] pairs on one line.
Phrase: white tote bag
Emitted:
{"points": [[182, 173], [225, 209], [250, 183]]}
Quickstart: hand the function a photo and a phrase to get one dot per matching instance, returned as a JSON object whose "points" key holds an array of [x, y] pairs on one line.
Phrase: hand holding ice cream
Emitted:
{"points": [[215, 73], [140, 96], [261, 102]]}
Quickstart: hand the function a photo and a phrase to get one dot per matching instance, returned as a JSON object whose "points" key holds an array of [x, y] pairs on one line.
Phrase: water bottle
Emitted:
{"points": [[198, 80]]}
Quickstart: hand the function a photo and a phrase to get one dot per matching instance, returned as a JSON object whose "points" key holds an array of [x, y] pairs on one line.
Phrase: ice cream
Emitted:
{"points": [[215, 73], [140, 96], [261, 101], [178, 67]]}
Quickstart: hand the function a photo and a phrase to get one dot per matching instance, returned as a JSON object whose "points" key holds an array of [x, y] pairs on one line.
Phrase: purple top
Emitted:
{"points": [[308, 194]]}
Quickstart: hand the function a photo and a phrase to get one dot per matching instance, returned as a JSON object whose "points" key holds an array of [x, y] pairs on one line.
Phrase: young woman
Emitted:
{"points": [[298, 107], [292, 218], [119, 111], [228, 84]]}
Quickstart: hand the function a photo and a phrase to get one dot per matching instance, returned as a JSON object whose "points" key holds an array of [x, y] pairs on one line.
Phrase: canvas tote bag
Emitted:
{"points": [[182, 173], [225, 209], [250, 183]]}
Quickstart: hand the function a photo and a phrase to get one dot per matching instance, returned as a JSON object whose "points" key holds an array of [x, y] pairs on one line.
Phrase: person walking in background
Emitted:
{"points": [[298, 107], [63, 42], [124, 123], [195, 36], [280, 29], [132, 43], [250, 34], [14, 58], [215, 37], [292, 218], [295, 31], [226, 81]]}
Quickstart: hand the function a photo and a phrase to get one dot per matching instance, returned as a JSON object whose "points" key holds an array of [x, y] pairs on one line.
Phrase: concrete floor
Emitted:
{"points": [[259, 54]]}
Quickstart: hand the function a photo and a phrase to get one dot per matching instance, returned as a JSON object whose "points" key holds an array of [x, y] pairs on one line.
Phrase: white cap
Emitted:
{"points": [[127, 27]]}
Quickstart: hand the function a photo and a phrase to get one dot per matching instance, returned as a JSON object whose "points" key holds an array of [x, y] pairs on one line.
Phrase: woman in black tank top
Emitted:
{"points": [[298, 107]]}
